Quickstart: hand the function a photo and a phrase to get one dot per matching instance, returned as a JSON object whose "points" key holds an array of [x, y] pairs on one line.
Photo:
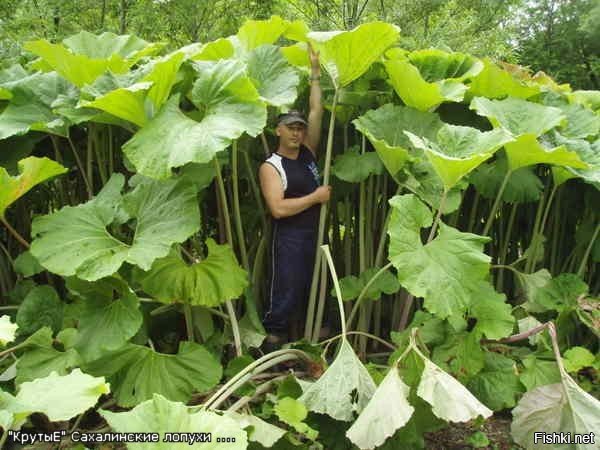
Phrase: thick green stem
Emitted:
{"points": [[490, 219], [531, 261], [237, 216], [308, 328], [252, 370], [255, 191], [321, 303], [363, 292], [587, 251], [473, 213], [504, 249], [20, 239], [88, 186], [189, 321], [230, 310], [336, 284], [437, 217]]}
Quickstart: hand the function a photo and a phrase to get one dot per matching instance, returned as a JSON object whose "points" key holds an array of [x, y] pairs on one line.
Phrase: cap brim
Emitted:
{"points": [[291, 120]]}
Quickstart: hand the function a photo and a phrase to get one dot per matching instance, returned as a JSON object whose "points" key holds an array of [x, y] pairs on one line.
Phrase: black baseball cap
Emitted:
{"points": [[290, 117]]}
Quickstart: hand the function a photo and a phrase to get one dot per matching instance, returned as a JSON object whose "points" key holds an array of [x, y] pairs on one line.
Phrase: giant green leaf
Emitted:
{"points": [[62, 397], [426, 78], [259, 431], [7, 330], [449, 399], [210, 282], [352, 286], [588, 152], [556, 408], [133, 97], [387, 411], [294, 413], [75, 240], [457, 150], [538, 372], [526, 121], [384, 128], [229, 106], [493, 314], [581, 122], [137, 372], [42, 358], [497, 385], [254, 33], [344, 388], [453, 259], [84, 57], [32, 105], [105, 324], [159, 415], [42, 307], [126, 103], [32, 171], [591, 99], [422, 179], [461, 354], [495, 82], [353, 167], [275, 80], [523, 184], [346, 55], [519, 117]]}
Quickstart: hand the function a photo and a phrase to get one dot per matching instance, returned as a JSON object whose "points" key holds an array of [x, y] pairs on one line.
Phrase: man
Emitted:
{"points": [[289, 182]]}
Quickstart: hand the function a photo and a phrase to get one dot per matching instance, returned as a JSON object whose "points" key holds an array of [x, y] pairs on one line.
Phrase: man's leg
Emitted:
{"points": [[286, 282]]}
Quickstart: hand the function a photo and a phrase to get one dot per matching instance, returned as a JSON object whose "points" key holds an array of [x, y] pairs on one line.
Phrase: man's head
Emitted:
{"points": [[291, 129]]}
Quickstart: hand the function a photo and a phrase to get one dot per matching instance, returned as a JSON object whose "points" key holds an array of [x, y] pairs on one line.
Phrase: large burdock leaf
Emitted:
{"points": [[84, 57], [387, 411], [457, 150], [207, 283], [133, 97], [105, 324], [523, 184], [228, 104], [8, 330], [493, 314], [497, 384], [275, 80], [495, 82], [555, 408], [385, 126], [75, 240], [32, 171], [41, 307], [344, 388], [260, 431], [588, 152], [346, 55], [354, 167], [254, 33], [526, 121], [449, 399], [581, 122], [159, 415], [31, 105], [591, 99], [41, 358], [453, 259], [137, 372], [425, 78], [62, 397]]}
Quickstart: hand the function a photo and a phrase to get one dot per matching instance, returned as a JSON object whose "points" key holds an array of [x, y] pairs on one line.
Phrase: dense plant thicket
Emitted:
{"points": [[463, 225]]}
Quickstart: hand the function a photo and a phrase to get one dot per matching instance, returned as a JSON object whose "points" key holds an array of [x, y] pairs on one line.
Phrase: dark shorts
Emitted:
{"points": [[292, 263]]}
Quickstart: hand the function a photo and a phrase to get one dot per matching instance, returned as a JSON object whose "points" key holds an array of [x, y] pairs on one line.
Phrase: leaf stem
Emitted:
{"points": [[88, 186], [237, 217], [490, 219], [336, 284], [15, 233], [364, 291], [310, 312], [587, 251]]}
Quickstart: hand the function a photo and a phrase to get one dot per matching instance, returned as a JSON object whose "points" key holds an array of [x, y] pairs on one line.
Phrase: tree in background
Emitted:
{"points": [[562, 38]]}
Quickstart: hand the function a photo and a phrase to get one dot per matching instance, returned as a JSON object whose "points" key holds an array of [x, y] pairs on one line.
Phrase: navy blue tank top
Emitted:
{"points": [[299, 177]]}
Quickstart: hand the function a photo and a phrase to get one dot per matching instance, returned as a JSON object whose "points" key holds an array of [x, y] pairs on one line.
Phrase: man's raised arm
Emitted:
{"points": [[315, 114]]}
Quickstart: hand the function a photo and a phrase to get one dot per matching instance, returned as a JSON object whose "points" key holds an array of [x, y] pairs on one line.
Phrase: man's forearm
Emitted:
{"points": [[291, 206]]}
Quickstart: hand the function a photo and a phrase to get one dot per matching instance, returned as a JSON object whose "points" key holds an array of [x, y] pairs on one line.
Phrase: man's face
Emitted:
{"points": [[291, 135]]}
